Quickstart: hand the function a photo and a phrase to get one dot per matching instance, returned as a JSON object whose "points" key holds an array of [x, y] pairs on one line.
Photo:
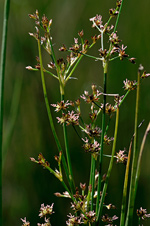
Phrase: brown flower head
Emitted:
{"points": [[41, 160], [113, 12], [91, 147], [132, 60], [109, 109], [61, 106], [103, 53], [121, 157], [145, 75], [142, 213], [46, 210], [93, 115], [73, 220], [81, 33], [94, 97], [108, 140], [107, 219], [90, 217], [92, 132], [25, 222], [77, 206], [95, 38], [114, 39], [45, 22], [129, 85], [63, 48], [47, 222], [97, 21], [122, 53], [72, 118], [118, 3], [75, 48]]}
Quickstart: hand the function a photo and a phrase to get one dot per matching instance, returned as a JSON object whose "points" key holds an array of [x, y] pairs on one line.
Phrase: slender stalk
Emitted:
{"points": [[140, 157], [68, 155], [134, 162], [93, 182], [49, 112], [109, 168], [102, 142], [124, 198], [74, 68], [116, 24], [2, 74]]}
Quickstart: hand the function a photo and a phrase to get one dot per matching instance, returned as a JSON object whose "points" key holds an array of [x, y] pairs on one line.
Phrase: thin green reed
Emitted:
{"points": [[132, 192], [2, 75]]}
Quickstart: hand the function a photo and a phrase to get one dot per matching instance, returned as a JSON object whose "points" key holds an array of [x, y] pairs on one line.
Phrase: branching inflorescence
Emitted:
{"points": [[88, 201]]}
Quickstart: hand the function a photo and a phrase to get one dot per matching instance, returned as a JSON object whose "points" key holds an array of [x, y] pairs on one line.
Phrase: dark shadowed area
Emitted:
{"points": [[27, 133]]}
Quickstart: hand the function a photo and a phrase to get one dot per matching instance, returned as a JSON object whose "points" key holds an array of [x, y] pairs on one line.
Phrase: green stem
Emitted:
{"points": [[116, 24], [93, 182], [2, 74], [49, 112], [102, 143], [73, 69], [124, 97], [134, 161], [124, 198], [68, 155], [140, 157], [109, 168]]}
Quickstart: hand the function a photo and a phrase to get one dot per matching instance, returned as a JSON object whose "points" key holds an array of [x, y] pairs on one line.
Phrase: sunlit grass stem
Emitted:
{"points": [[109, 168], [125, 188], [102, 141], [132, 192]]}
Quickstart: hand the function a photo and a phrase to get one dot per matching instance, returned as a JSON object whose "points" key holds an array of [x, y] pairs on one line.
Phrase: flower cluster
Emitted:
{"points": [[129, 85], [92, 131], [93, 148], [90, 98], [71, 118], [41, 160], [44, 211], [61, 106], [121, 157], [109, 220], [142, 213]]}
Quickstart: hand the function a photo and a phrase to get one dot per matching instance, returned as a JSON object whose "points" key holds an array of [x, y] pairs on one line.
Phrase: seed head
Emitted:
{"points": [[25, 222], [142, 213], [46, 210]]}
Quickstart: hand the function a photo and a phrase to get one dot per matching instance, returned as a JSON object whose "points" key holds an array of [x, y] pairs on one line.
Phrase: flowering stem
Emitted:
{"points": [[68, 155], [109, 168], [49, 111], [105, 65], [134, 162], [2, 73]]}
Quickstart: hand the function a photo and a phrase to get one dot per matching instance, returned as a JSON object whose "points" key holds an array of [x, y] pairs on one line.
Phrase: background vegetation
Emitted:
{"points": [[25, 184]]}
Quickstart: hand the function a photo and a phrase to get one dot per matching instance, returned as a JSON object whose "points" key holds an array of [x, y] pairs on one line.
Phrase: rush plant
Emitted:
{"points": [[88, 200]]}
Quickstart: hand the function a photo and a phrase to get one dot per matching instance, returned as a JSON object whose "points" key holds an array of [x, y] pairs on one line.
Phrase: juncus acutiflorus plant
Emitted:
{"points": [[88, 199]]}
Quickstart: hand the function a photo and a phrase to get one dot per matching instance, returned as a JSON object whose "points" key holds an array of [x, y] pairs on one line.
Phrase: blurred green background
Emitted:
{"points": [[25, 184]]}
